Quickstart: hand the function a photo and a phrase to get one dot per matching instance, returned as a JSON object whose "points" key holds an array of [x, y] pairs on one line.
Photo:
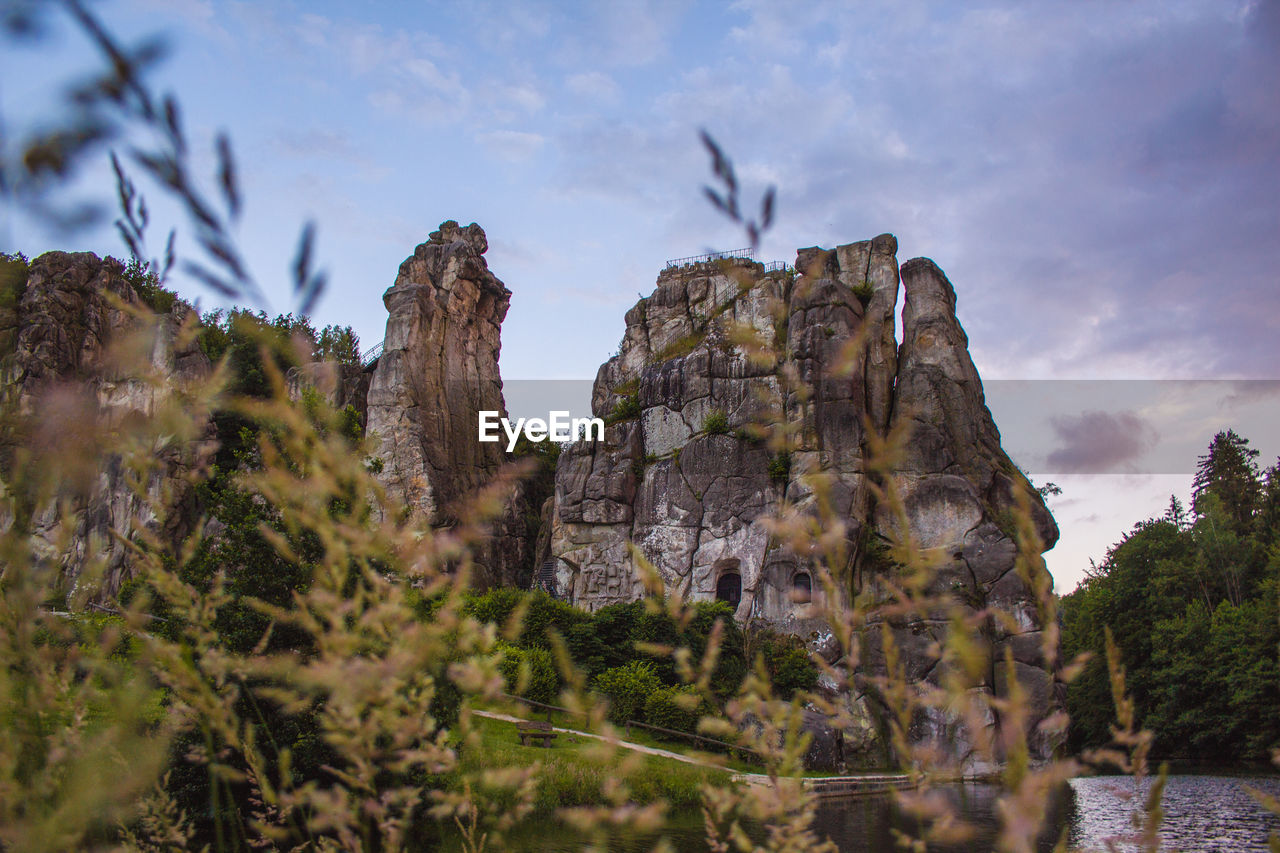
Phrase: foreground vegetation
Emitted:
{"points": [[1190, 598]]}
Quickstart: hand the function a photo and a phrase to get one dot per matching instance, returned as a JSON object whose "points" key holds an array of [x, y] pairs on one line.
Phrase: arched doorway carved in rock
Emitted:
{"points": [[728, 581], [802, 588]]}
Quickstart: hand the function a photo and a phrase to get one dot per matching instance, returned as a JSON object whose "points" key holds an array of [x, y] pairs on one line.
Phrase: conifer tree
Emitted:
{"points": [[1229, 471]]}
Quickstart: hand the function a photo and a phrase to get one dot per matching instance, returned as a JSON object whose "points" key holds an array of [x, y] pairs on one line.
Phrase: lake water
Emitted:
{"points": [[1203, 814]]}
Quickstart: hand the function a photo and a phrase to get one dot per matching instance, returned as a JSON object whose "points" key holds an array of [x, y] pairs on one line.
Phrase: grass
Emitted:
{"points": [[627, 388], [643, 737], [864, 292], [627, 408], [574, 773], [679, 347], [716, 423]]}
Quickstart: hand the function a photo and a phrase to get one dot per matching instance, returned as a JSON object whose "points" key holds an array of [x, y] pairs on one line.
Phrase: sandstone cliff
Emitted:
{"points": [[438, 369], [60, 319], [682, 476], [62, 374]]}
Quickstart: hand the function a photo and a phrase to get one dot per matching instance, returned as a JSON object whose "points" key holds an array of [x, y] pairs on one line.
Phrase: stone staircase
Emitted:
{"points": [[545, 578]]}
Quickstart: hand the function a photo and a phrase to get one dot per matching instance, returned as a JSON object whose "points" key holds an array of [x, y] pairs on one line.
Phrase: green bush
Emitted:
{"points": [[717, 423], [147, 285], [548, 614], [13, 278], [625, 409], [530, 673], [790, 666], [657, 628], [588, 652], [676, 708], [731, 667], [780, 467], [445, 704], [628, 688], [864, 292], [495, 605], [614, 626]]}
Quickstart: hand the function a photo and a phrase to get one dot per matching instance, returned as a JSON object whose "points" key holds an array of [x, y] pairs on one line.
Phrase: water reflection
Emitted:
{"points": [[868, 824], [1203, 814]]}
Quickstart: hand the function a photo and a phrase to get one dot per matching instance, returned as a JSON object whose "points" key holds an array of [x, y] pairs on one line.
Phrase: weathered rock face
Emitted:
{"points": [[439, 366], [438, 369], [64, 321], [959, 487], [680, 475], [58, 362]]}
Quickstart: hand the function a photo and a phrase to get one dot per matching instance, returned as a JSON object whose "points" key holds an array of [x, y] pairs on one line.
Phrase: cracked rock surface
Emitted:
{"points": [[66, 346], [682, 477], [438, 368]]}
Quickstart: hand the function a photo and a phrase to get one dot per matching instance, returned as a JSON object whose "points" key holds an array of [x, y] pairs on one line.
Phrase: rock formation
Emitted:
{"points": [[681, 472], [57, 334], [438, 369], [681, 475]]}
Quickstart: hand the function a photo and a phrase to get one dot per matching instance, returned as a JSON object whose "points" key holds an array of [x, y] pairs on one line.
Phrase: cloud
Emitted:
{"points": [[1103, 173], [1067, 166], [632, 32], [1098, 442], [513, 145], [1246, 392], [525, 97], [595, 85]]}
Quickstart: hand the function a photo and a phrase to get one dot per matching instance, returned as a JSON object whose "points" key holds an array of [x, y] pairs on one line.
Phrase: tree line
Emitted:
{"points": [[1190, 598]]}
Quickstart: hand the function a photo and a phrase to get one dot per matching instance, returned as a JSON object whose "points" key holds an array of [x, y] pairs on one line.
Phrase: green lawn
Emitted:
{"points": [[575, 769], [643, 737]]}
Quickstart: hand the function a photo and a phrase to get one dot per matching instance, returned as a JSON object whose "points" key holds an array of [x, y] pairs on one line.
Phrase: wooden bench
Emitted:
{"points": [[535, 730]]}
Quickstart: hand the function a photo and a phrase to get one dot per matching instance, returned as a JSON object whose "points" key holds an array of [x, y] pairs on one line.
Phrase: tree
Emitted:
{"points": [[338, 343], [1268, 519], [1229, 471]]}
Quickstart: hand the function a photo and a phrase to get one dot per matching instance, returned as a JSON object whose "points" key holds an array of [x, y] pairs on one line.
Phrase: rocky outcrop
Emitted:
{"points": [[340, 385], [438, 369], [60, 319], [683, 476], [439, 366], [958, 488], [63, 370]]}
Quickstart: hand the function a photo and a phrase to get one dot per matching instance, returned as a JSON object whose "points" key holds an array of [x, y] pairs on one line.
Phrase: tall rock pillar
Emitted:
{"points": [[438, 369]]}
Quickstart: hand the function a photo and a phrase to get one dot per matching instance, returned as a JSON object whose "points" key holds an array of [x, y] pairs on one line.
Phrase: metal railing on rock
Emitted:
{"points": [[371, 354], [746, 254]]}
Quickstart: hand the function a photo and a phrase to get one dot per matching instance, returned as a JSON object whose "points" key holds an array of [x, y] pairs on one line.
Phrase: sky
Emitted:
{"points": [[1100, 181]]}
